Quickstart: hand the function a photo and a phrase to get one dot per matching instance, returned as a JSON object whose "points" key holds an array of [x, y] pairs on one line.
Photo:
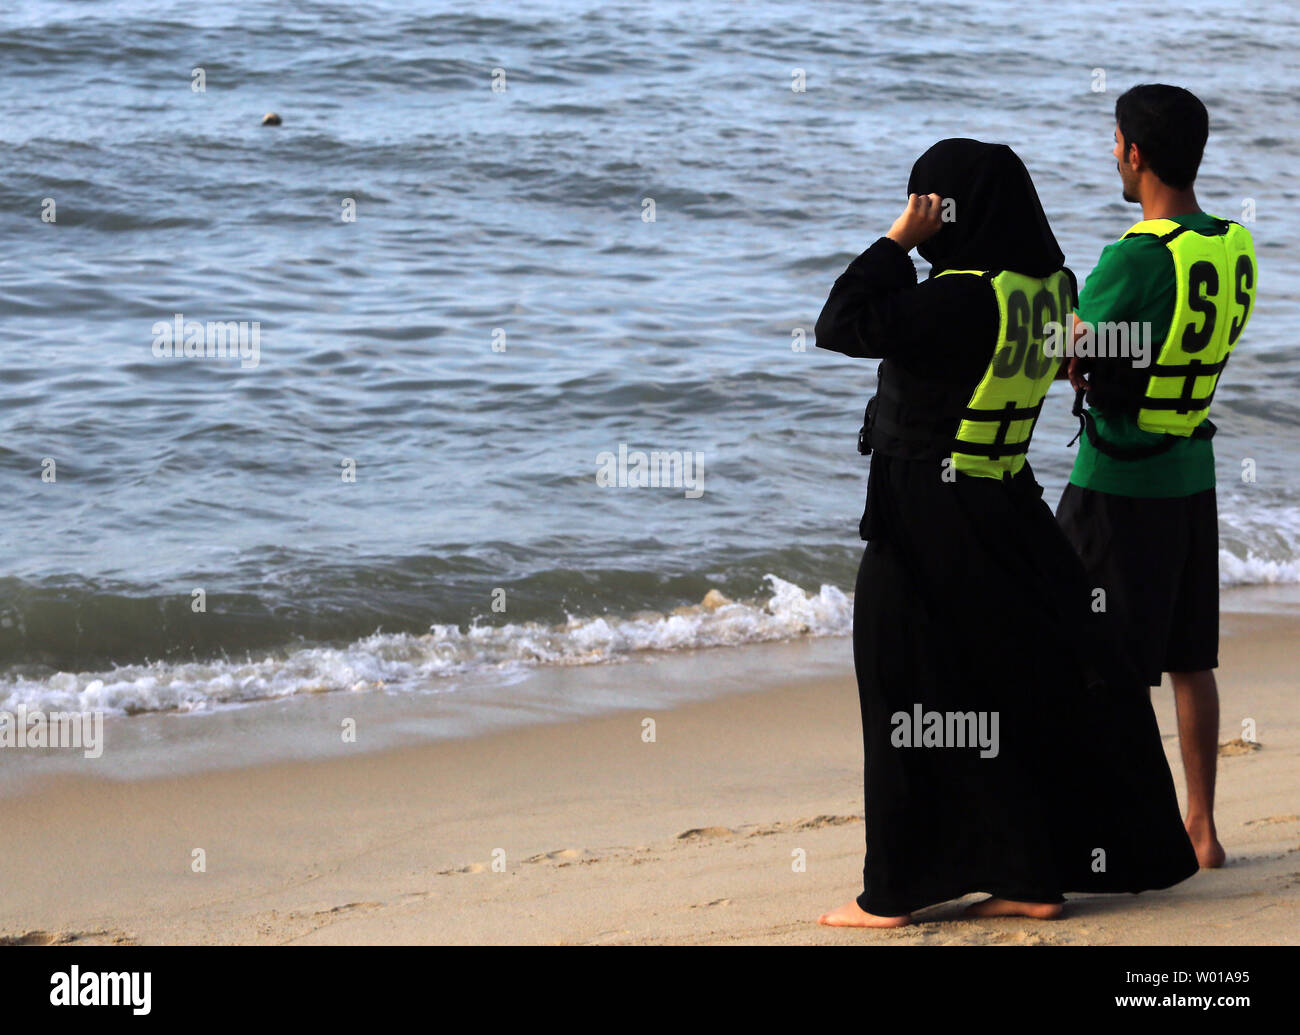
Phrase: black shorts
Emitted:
{"points": [[1158, 561]]}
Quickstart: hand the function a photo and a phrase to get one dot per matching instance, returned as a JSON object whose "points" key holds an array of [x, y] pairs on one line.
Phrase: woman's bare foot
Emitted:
{"points": [[851, 915], [1205, 839], [1006, 907]]}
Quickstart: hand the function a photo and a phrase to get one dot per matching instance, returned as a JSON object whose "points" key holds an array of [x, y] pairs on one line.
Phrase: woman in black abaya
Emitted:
{"points": [[970, 599]]}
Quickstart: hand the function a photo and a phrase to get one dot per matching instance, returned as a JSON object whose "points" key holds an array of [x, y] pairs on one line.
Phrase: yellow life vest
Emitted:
{"points": [[993, 436], [1215, 273]]}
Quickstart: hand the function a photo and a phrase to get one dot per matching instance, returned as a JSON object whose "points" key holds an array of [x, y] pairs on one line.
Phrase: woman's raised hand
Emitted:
{"points": [[921, 220]]}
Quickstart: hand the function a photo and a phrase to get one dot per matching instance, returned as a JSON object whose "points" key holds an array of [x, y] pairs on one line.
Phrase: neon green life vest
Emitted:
{"points": [[993, 436], [1215, 274]]}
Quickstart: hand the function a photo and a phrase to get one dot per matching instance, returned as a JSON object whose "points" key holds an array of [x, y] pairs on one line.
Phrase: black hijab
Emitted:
{"points": [[999, 222]]}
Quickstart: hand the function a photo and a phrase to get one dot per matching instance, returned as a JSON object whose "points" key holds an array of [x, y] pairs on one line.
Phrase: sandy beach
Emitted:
{"points": [[584, 832]]}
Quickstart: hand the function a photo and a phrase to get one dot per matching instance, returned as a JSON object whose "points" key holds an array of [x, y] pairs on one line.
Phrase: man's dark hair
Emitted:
{"points": [[1169, 125]]}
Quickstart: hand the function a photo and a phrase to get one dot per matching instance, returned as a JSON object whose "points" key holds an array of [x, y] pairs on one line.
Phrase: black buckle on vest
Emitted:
{"points": [[1077, 410], [864, 433]]}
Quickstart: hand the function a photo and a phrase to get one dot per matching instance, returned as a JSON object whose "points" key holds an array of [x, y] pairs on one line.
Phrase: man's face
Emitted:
{"points": [[1128, 176]]}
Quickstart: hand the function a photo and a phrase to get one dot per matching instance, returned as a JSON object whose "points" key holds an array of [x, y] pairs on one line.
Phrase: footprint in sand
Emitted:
{"points": [[347, 908], [471, 868], [561, 857], [67, 938], [1272, 819], [816, 823], [1027, 938], [38, 938], [979, 936], [701, 833], [564, 856], [826, 821]]}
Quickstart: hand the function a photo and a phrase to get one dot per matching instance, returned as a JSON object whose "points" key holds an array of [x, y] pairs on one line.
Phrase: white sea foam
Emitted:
{"points": [[429, 663], [1259, 542], [1253, 570]]}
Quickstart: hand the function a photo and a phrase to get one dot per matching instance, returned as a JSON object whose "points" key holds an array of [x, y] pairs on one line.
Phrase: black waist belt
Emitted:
{"points": [[1088, 426], [909, 428]]}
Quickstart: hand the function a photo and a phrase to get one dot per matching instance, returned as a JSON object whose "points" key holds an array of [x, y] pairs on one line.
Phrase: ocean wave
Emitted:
{"points": [[1253, 570], [405, 663], [431, 662], [1259, 541]]}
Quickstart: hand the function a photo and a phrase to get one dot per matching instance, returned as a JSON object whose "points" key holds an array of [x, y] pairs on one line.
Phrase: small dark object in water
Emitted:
{"points": [[270, 119]]}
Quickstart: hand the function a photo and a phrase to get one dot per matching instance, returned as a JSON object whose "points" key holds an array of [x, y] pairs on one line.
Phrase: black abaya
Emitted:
{"points": [[970, 599]]}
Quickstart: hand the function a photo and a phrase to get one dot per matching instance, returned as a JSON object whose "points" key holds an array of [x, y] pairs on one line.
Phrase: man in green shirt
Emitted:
{"points": [[1140, 507]]}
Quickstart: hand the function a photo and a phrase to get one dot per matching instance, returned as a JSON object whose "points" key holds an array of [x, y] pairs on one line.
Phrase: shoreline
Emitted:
{"points": [[601, 837], [307, 725]]}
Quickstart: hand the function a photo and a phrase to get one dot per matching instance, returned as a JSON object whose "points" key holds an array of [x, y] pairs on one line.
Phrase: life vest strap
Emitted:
{"points": [[1186, 402], [1195, 368], [1162, 238], [1220, 228], [1088, 426], [1005, 414], [993, 450], [999, 447], [1182, 405]]}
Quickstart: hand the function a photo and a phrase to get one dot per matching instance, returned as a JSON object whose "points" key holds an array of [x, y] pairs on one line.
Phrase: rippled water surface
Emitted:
{"points": [[515, 217]]}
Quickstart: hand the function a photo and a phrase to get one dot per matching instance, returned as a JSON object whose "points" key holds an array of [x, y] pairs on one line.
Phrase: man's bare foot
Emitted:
{"points": [[1006, 907], [852, 915], [1205, 839]]}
